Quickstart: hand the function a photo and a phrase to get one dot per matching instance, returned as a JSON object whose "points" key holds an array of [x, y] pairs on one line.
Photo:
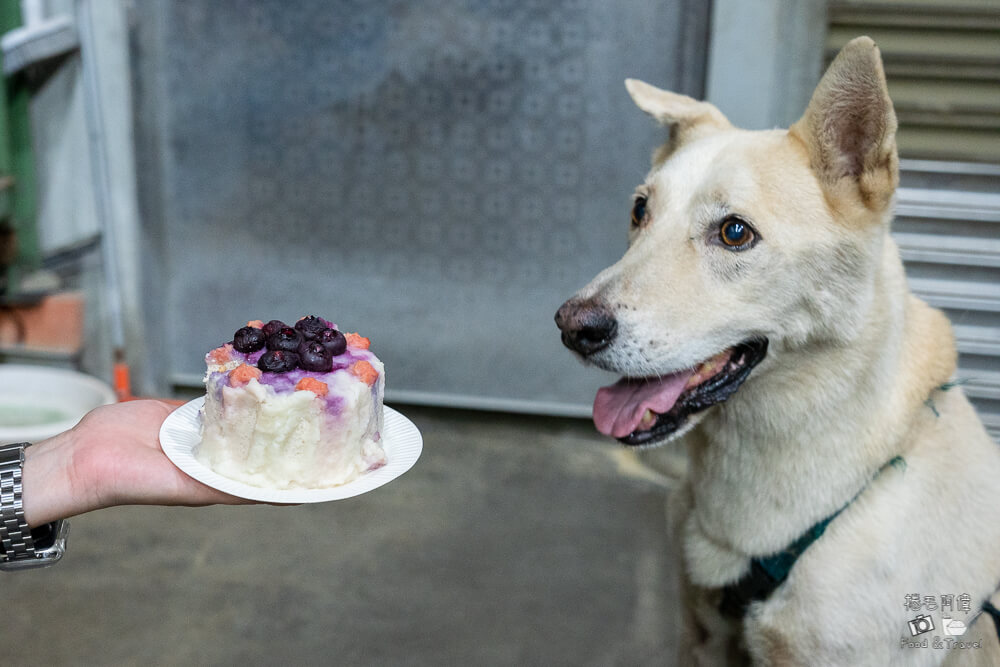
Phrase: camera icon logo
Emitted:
{"points": [[921, 624]]}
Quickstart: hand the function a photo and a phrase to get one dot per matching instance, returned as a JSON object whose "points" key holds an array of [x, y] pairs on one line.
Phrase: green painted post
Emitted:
{"points": [[18, 204]]}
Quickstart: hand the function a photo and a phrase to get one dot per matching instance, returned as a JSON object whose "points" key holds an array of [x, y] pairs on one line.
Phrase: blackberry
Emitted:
{"points": [[278, 361], [286, 339], [248, 339]]}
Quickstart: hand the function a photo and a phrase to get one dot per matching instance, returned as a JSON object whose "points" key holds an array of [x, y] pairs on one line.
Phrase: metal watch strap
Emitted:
{"points": [[14, 532]]}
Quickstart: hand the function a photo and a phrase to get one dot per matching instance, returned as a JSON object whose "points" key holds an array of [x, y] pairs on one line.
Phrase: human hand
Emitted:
{"points": [[112, 457]]}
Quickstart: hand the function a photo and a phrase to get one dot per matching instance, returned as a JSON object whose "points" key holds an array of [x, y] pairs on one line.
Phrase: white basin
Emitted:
{"points": [[37, 402]]}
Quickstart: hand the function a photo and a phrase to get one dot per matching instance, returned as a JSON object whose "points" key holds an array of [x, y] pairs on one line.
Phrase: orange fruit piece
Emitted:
{"points": [[365, 372], [256, 324], [357, 340], [220, 355], [312, 384], [243, 374]]}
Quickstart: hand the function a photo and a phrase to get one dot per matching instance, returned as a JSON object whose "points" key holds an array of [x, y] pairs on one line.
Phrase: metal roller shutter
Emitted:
{"points": [[942, 62]]}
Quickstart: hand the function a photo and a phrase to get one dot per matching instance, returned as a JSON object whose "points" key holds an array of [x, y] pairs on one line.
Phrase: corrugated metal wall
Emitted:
{"points": [[942, 62]]}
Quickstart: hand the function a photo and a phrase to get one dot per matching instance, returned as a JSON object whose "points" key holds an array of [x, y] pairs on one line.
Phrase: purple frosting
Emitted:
{"points": [[285, 382]]}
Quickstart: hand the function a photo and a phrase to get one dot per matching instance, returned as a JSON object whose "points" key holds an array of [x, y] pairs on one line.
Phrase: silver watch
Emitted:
{"points": [[20, 546]]}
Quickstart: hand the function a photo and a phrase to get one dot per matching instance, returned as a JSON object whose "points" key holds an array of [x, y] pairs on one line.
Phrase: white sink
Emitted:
{"points": [[37, 402]]}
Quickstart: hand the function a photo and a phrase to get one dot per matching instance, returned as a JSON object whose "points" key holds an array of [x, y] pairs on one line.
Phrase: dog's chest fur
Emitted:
{"points": [[886, 544]]}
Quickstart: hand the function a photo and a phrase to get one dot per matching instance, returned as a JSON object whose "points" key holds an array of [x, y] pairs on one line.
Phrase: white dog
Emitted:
{"points": [[840, 487]]}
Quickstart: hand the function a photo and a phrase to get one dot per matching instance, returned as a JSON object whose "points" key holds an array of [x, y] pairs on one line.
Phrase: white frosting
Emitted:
{"points": [[290, 439]]}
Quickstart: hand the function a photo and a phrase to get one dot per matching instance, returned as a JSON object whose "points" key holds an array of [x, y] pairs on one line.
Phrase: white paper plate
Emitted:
{"points": [[181, 433]]}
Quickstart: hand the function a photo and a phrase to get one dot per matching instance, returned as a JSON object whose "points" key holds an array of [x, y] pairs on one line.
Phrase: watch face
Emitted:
{"points": [[50, 545], [44, 536]]}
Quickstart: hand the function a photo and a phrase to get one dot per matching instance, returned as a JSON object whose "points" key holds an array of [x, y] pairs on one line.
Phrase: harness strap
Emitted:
{"points": [[995, 613], [768, 572]]}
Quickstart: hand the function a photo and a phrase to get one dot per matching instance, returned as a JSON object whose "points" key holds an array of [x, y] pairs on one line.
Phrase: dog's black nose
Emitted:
{"points": [[586, 326]]}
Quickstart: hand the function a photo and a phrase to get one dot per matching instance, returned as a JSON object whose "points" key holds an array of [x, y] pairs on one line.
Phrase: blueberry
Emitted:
{"points": [[278, 361], [333, 341], [287, 339], [273, 327], [248, 339], [310, 326], [314, 357]]}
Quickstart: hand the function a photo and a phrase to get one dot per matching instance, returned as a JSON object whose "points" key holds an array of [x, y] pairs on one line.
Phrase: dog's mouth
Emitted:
{"points": [[644, 411]]}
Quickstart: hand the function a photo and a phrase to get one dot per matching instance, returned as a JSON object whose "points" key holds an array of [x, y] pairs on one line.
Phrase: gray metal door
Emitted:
{"points": [[436, 175]]}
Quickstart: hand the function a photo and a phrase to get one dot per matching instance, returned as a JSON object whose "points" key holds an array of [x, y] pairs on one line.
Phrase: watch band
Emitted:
{"points": [[21, 547], [15, 535]]}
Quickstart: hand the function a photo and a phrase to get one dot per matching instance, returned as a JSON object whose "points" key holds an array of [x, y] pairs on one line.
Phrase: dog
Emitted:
{"points": [[839, 485]]}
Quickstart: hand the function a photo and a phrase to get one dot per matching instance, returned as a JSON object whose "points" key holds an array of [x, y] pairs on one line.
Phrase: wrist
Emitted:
{"points": [[51, 488]]}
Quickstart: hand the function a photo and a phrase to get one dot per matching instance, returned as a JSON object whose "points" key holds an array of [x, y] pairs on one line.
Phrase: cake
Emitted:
{"points": [[293, 406]]}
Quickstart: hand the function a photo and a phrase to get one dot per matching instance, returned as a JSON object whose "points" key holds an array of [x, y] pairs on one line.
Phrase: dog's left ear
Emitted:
{"points": [[849, 126], [686, 117]]}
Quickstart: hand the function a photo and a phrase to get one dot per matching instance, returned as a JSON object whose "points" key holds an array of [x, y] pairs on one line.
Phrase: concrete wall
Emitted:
{"points": [[67, 211], [765, 57]]}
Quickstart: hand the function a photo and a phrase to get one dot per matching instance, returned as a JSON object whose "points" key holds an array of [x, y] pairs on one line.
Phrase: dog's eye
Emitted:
{"points": [[736, 233], [638, 211]]}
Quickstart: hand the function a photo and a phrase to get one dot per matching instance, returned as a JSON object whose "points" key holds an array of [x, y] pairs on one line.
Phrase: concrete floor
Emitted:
{"points": [[513, 541]]}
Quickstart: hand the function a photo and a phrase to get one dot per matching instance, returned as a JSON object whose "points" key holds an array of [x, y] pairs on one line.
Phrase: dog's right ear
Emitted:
{"points": [[686, 117]]}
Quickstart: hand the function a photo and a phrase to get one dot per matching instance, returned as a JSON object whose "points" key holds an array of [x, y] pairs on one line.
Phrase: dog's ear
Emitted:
{"points": [[686, 117], [849, 126]]}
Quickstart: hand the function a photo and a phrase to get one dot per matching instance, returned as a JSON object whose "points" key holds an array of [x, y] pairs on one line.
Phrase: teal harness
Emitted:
{"points": [[768, 572]]}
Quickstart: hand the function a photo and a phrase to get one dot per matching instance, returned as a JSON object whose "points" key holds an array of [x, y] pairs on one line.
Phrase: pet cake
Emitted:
{"points": [[293, 406]]}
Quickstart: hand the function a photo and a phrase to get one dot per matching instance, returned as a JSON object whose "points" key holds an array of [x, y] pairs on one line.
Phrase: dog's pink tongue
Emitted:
{"points": [[618, 409]]}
